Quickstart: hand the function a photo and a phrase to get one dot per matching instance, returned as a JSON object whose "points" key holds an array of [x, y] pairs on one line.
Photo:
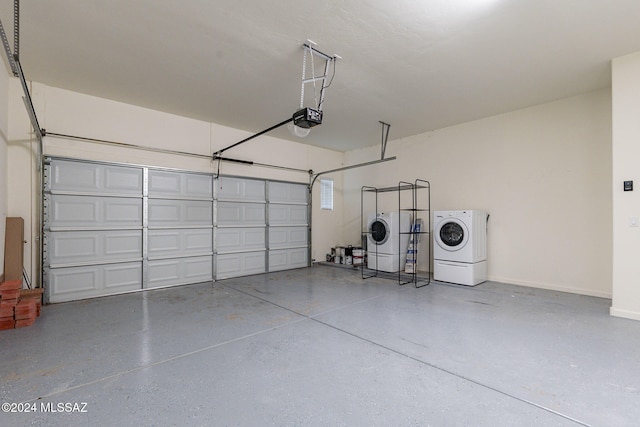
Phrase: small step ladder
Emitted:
{"points": [[410, 265]]}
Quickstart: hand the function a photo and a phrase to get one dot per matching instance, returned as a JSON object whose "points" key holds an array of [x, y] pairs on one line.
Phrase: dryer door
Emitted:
{"points": [[451, 234], [378, 231]]}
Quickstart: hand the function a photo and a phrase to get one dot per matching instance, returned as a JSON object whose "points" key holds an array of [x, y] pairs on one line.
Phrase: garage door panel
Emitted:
{"points": [[239, 239], [73, 210], [163, 183], [198, 186], [287, 237], [240, 264], [248, 190], [163, 272], [196, 269], [74, 176], [201, 213], [180, 185], [198, 241], [92, 211], [234, 213], [72, 280], [177, 213], [122, 277], [179, 271], [85, 177], [229, 265], [284, 192], [180, 242], [163, 242], [73, 283], [123, 180], [287, 214], [285, 259], [123, 244], [73, 247], [122, 212]]}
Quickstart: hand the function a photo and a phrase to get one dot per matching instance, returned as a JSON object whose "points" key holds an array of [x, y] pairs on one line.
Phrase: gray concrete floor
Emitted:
{"points": [[320, 346]]}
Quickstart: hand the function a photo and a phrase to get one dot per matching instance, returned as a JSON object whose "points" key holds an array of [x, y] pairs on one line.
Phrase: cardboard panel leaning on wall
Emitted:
{"points": [[543, 174], [14, 248]]}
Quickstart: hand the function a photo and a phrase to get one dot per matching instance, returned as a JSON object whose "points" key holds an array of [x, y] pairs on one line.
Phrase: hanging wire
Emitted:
{"points": [[334, 59], [334, 73]]}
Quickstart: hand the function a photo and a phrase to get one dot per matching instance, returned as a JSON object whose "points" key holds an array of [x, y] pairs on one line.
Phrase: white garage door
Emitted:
{"points": [[93, 229], [240, 235], [288, 225], [116, 228], [112, 228], [260, 226], [180, 228]]}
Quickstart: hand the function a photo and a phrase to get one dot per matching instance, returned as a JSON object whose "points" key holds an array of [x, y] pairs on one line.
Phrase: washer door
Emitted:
{"points": [[452, 234], [378, 231]]}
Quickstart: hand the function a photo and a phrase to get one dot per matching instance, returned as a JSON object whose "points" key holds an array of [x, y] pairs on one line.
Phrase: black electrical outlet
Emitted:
{"points": [[628, 186]]}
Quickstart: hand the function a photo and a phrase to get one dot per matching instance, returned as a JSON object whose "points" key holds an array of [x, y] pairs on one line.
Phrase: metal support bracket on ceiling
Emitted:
{"points": [[385, 138], [313, 52]]}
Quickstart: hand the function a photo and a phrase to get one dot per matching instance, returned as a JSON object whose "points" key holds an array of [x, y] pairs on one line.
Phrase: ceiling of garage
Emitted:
{"points": [[419, 65]]}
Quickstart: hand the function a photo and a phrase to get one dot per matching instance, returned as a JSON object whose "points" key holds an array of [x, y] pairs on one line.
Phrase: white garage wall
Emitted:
{"points": [[626, 152], [543, 174], [65, 112]]}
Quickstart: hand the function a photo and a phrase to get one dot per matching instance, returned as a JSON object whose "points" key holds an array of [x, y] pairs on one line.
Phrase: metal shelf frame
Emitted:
{"points": [[414, 198]]}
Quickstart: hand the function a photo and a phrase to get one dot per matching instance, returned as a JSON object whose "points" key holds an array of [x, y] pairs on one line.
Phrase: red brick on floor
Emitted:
{"points": [[26, 309], [25, 322], [36, 298], [5, 303], [11, 285], [7, 324], [18, 307], [10, 294]]}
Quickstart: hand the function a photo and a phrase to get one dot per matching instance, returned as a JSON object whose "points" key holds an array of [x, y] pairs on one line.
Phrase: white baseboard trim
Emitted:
{"points": [[627, 314], [551, 287]]}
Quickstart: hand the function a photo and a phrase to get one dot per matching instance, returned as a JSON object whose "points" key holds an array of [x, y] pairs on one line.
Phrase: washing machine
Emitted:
{"points": [[460, 246], [388, 240]]}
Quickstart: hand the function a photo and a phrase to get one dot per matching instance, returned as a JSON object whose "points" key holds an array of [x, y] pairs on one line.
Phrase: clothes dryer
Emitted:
{"points": [[460, 246], [388, 240]]}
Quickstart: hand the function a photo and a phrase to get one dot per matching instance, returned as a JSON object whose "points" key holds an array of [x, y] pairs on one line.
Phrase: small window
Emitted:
{"points": [[326, 194]]}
